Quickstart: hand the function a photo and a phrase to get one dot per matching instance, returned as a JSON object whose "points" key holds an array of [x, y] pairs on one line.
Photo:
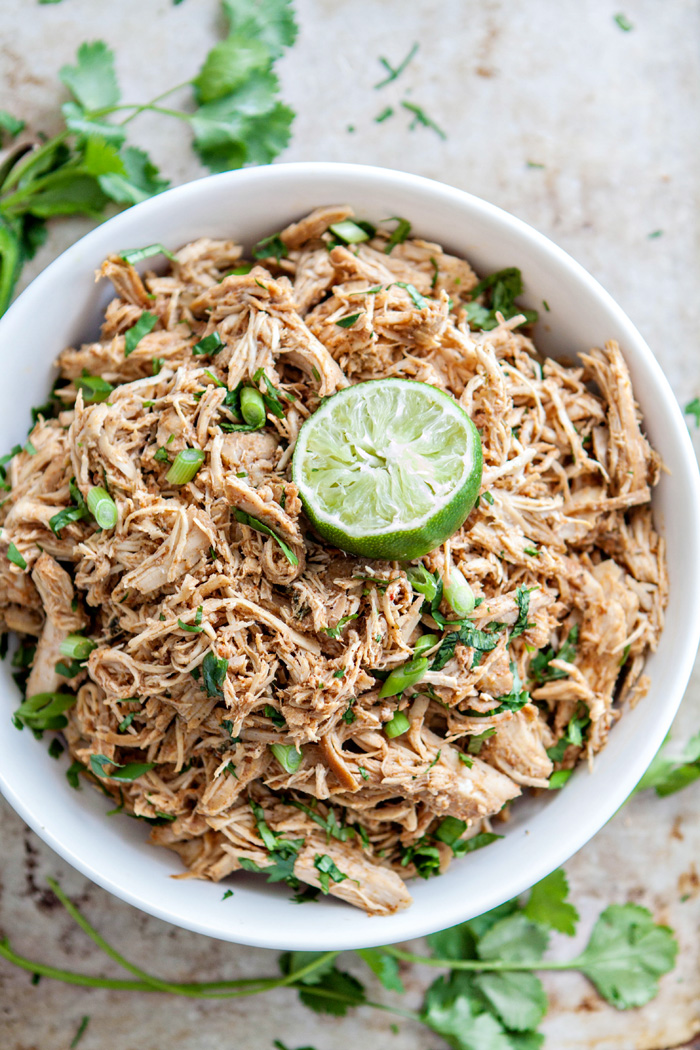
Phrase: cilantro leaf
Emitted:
{"points": [[540, 668], [68, 191], [518, 999], [327, 870], [9, 124], [481, 641], [145, 324], [457, 942], [84, 125], [522, 600], [292, 962], [214, 674], [268, 135], [270, 21], [335, 632], [667, 774], [399, 233], [139, 179], [514, 939], [126, 773], [228, 65], [547, 904], [627, 954], [101, 157], [693, 409], [92, 80], [454, 1008], [335, 993], [384, 966], [260, 526], [502, 289]]}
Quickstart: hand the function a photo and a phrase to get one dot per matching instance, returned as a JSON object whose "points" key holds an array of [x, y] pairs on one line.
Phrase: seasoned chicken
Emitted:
{"points": [[240, 657]]}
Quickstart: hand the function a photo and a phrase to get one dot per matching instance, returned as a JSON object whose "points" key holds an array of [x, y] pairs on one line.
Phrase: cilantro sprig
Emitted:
{"points": [[236, 118], [491, 994]]}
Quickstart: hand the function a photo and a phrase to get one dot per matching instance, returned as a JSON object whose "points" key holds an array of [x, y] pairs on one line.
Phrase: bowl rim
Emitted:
{"points": [[581, 830]]}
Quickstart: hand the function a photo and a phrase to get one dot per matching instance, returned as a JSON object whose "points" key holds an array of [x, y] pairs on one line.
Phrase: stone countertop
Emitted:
{"points": [[589, 133]]}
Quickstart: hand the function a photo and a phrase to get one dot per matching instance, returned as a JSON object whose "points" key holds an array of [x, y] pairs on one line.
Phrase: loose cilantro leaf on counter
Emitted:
{"points": [[693, 409], [384, 966], [422, 118], [667, 774], [626, 955], [623, 22], [394, 72], [237, 119], [548, 906], [491, 997]]}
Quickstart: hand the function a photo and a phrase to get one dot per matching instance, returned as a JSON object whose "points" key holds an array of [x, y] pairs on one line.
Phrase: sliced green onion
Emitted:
{"points": [[287, 756], [422, 581], [44, 711], [134, 255], [397, 726], [185, 466], [425, 642], [102, 507], [404, 677], [558, 779], [252, 406], [77, 647], [458, 593], [211, 344], [349, 232]]}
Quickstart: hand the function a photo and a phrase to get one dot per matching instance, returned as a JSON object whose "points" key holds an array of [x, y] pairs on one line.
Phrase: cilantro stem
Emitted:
{"points": [[196, 990], [146, 105], [33, 156], [482, 964]]}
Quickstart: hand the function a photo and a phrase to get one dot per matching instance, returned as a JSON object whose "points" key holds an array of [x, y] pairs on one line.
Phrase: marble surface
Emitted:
{"points": [[589, 133]]}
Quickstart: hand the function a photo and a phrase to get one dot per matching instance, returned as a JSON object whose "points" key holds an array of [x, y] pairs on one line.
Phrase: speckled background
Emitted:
{"points": [[614, 120]]}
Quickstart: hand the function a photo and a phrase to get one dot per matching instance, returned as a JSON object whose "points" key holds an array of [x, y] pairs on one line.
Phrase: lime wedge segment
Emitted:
{"points": [[388, 469]]}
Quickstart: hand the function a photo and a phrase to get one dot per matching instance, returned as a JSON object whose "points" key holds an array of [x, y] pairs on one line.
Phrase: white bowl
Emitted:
{"points": [[63, 307]]}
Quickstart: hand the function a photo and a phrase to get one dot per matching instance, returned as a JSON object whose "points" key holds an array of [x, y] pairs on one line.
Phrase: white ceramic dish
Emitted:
{"points": [[64, 307]]}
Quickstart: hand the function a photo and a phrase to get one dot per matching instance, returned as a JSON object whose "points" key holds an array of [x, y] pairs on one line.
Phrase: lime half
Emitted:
{"points": [[389, 468]]}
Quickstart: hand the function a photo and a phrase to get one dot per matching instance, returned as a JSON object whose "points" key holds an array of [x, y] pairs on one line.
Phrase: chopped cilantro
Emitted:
{"points": [[394, 72], [422, 118], [145, 324]]}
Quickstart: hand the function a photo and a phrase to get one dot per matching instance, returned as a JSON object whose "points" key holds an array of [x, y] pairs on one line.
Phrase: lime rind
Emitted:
{"points": [[388, 468]]}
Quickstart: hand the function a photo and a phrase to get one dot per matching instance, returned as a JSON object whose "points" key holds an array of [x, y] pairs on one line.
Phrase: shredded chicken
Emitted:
{"points": [[245, 672]]}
